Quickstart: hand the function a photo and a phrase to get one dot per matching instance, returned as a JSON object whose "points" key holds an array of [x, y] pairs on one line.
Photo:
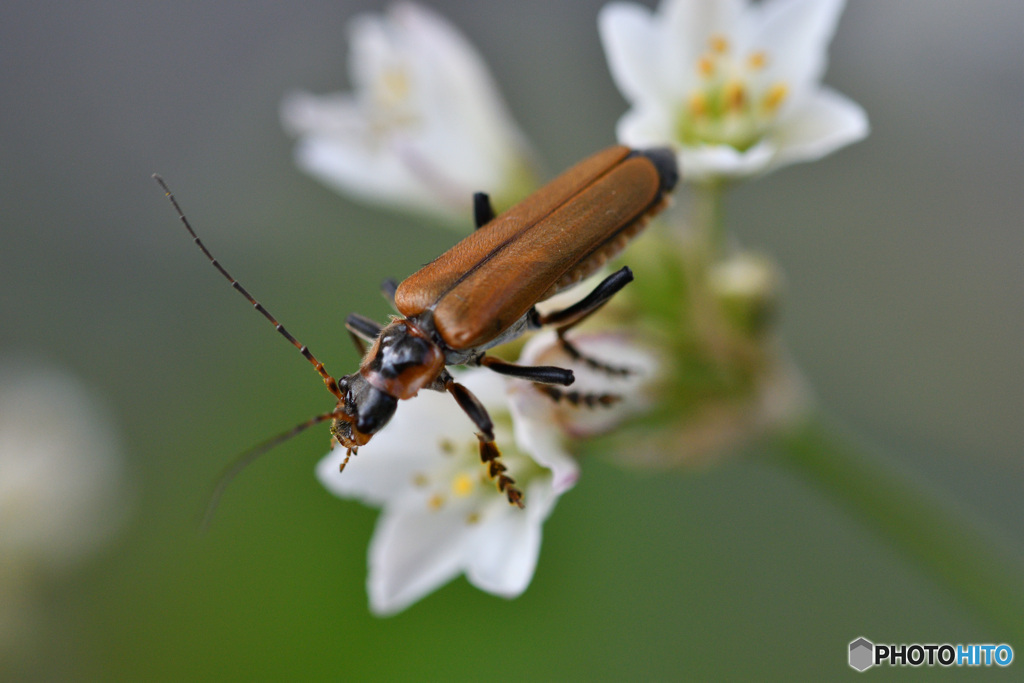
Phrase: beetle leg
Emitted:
{"points": [[362, 330], [388, 289], [542, 374], [567, 318], [489, 453], [472, 406], [588, 305], [483, 212], [577, 398], [578, 355]]}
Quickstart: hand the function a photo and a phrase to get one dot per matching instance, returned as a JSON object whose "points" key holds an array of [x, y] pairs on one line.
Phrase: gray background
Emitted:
{"points": [[903, 259]]}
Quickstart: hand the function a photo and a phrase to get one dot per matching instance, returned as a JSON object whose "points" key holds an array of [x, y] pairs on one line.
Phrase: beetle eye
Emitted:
{"points": [[375, 411]]}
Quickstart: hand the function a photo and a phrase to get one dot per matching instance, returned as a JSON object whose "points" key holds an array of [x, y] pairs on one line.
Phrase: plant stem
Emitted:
{"points": [[710, 217], [912, 518]]}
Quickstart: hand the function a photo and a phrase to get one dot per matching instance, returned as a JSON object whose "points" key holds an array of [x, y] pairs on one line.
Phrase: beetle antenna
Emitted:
{"points": [[243, 460], [329, 381]]}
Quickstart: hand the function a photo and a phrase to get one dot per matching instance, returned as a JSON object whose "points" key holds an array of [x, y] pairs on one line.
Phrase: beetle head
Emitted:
{"points": [[365, 410], [402, 361]]}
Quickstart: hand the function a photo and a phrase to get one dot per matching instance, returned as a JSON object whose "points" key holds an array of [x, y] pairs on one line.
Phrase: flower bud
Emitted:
{"points": [[746, 286]]}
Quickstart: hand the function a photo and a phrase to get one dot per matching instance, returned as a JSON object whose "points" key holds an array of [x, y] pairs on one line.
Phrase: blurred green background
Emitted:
{"points": [[903, 257]]}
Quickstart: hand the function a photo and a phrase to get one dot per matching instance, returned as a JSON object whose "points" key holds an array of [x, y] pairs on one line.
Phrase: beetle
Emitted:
{"points": [[482, 293]]}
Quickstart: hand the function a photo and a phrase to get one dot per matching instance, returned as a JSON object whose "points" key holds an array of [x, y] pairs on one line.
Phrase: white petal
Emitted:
{"points": [[303, 114], [486, 385], [692, 23], [716, 161], [646, 125], [795, 34], [374, 177], [374, 483], [480, 132], [506, 549], [373, 48], [826, 122], [628, 34], [538, 434], [414, 551]]}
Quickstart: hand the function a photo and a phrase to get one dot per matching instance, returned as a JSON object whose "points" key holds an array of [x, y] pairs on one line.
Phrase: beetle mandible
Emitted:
{"points": [[482, 293]]}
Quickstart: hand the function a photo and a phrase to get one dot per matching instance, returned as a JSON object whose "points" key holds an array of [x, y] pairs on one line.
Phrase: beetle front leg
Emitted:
{"points": [[489, 453], [567, 318], [388, 289], [362, 330]]}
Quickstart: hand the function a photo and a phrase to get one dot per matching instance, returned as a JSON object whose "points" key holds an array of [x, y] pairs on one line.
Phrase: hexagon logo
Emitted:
{"points": [[862, 654]]}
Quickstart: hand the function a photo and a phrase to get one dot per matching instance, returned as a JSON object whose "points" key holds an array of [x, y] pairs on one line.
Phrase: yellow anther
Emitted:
{"points": [[435, 501], [462, 486], [419, 480], [757, 60], [706, 66], [446, 446], [394, 85], [735, 96], [719, 44], [473, 518], [698, 104], [774, 97]]}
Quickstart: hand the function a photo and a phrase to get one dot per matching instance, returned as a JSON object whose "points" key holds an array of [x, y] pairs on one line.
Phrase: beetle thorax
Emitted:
{"points": [[403, 360]]}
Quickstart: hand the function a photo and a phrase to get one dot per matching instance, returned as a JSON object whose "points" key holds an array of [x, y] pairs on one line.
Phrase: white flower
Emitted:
{"points": [[61, 484], [735, 87], [424, 128], [442, 515]]}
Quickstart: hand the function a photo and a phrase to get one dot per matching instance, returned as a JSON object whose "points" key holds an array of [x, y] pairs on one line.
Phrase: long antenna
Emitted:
{"points": [[329, 381], [245, 459]]}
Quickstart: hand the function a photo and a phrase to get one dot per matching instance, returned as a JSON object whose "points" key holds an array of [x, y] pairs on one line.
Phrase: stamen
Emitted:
{"points": [[419, 480], [473, 518], [774, 97], [719, 44], [735, 96], [462, 486], [435, 501], [446, 445], [757, 60], [394, 86], [706, 66], [699, 104]]}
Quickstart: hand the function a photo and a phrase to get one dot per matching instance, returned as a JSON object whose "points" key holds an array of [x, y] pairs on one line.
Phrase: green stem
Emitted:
{"points": [[913, 519], [710, 217]]}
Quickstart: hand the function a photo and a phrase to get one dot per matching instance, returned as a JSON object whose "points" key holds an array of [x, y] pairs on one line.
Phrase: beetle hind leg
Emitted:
{"points": [[601, 366], [567, 318], [578, 398]]}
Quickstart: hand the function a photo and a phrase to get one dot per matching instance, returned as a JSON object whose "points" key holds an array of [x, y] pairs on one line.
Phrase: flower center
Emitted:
{"points": [[732, 104], [460, 478], [390, 101]]}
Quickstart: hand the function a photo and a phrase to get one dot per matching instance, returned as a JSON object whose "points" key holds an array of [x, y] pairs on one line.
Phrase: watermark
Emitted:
{"points": [[864, 654]]}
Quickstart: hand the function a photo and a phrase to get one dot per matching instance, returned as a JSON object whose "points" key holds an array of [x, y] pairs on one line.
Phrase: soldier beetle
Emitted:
{"points": [[481, 293]]}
